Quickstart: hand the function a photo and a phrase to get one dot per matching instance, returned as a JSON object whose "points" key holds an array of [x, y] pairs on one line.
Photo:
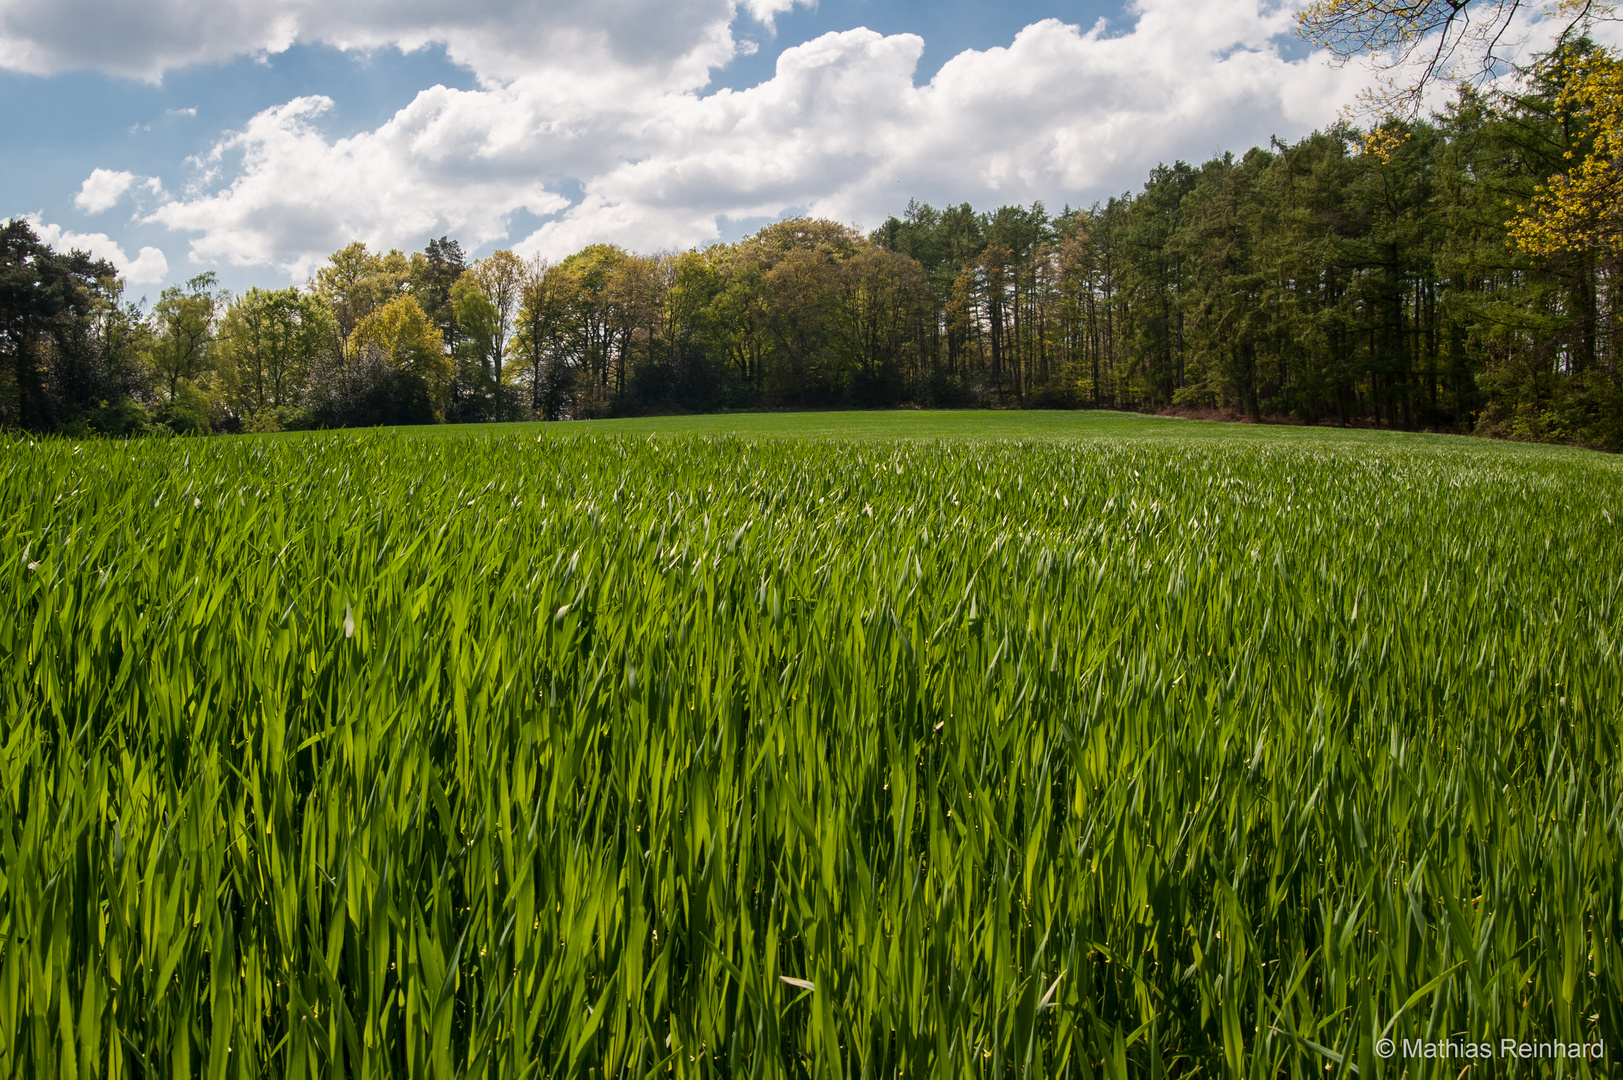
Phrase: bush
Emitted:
{"points": [[188, 412], [122, 419], [367, 391], [262, 422]]}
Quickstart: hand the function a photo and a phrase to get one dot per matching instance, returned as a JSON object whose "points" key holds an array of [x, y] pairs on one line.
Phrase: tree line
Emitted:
{"points": [[1426, 274]]}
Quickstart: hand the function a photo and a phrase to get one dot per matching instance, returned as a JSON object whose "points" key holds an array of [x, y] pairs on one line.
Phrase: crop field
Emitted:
{"points": [[569, 751]]}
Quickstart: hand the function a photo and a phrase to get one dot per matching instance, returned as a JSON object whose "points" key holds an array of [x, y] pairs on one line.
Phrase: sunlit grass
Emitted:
{"points": [[1114, 756], [957, 425]]}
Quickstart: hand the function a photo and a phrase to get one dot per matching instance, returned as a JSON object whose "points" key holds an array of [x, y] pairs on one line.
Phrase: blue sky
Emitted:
{"points": [[251, 137]]}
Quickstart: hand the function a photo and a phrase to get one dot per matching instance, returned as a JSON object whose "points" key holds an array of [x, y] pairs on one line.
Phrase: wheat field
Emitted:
{"points": [[570, 755]]}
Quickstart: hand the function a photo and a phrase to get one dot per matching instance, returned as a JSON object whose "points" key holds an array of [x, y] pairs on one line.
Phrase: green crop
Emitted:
{"points": [[618, 756]]}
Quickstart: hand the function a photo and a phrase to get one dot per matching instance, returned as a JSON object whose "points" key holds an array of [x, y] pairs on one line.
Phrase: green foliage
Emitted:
{"points": [[400, 334], [268, 342], [50, 363], [433, 274], [478, 351], [540, 344], [188, 411], [286, 418], [485, 304], [378, 755], [356, 282], [121, 419], [181, 349]]}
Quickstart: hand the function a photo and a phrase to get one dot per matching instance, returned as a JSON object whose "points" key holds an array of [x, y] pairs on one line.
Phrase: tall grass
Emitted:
{"points": [[619, 757]]}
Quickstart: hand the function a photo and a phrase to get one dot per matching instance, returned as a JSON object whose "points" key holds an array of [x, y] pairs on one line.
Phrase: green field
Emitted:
{"points": [[1023, 744], [958, 425]]}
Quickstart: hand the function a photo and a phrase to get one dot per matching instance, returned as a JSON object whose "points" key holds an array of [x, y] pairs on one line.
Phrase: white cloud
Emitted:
{"points": [[498, 39], [1060, 114], [147, 268], [102, 190], [447, 164]]}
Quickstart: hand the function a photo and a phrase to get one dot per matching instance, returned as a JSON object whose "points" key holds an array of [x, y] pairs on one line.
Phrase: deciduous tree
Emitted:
{"points": [[268, 340], [182, 347]]}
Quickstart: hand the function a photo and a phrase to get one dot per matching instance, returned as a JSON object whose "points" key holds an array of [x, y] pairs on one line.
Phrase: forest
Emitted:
{"points": [[1390, 277]]}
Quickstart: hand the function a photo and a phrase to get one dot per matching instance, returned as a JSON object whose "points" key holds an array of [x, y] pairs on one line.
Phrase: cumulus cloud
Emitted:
{"points": [[102, 190], [498, 39], [453, 163], [147, 268], [1062, 114]]}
